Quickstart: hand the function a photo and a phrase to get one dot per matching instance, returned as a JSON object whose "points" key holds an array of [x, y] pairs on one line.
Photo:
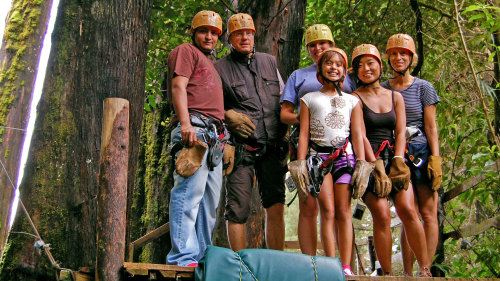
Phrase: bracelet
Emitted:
{"points": [[397, 156]]}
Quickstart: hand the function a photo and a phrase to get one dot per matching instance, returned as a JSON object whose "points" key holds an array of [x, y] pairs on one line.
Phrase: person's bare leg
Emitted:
{"points": [[428, 204], [406, 252], [382, 238], [327, 211], [307, 227], [342, 196], [405, 207], [275, 227], [237, 235]]}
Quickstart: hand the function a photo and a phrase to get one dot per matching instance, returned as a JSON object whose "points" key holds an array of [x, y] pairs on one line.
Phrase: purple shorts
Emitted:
{"points": [[339, 163]]}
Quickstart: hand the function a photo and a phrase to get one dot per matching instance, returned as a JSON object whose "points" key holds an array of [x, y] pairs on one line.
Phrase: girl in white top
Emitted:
{"points": [[327, 118]]}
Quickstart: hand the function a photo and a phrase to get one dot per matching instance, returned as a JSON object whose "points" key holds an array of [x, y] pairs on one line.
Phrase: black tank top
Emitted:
{"points": [[379, 126]]}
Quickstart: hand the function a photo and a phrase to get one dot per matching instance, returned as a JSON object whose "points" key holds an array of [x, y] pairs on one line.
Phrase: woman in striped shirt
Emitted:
{"points": [[423, 148]]}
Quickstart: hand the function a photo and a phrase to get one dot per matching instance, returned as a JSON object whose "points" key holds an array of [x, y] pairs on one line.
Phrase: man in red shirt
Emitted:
{"points": [[195, 91]]}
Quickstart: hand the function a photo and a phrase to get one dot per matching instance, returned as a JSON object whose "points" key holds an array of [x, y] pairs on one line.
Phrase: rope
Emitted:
{"points": [[45, 247], [248, 269], [12, 128], [315, 271]]}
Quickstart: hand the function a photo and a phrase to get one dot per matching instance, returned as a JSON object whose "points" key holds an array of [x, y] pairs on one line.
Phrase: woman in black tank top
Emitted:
{"points": [[385, 125]]}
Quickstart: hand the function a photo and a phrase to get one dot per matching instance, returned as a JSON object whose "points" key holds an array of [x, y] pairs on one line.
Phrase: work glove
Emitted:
{"points": [[435, 172], [228, 159], [190, 158], [360, 177], [298, 171], [239, 123], [399, 174], [382, 183]]}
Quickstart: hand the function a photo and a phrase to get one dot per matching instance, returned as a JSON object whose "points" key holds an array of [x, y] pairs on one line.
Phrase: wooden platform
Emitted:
{"points": [[146, 271], [149, 271]]}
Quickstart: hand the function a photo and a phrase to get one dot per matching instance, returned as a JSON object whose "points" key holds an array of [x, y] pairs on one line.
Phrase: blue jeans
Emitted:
{"points": [[193, 204]]}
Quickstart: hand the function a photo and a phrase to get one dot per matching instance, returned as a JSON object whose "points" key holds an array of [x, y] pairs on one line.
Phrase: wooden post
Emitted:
{"points": [[112, 198]]}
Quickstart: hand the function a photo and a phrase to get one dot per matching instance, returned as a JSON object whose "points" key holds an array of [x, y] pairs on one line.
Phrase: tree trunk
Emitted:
{"points": [[19, 56], [279, 26], [98, 52]]}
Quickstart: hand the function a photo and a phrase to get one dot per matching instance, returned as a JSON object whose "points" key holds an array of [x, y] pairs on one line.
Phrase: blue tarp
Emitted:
{"points": [[222, 264]]}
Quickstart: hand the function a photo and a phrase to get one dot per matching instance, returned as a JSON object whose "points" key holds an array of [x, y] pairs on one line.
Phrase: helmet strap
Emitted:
{"points": [[336, 83], [401, 73], [362, 84]]}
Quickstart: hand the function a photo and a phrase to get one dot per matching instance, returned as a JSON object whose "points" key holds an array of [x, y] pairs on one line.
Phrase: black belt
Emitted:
{"points": [[204, 121]]}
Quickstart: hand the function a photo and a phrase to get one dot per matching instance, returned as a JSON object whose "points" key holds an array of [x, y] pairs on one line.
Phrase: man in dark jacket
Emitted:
{"points": [[252, 85]]}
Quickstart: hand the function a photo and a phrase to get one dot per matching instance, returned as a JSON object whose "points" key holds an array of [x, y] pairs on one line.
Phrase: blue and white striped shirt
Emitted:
{"points": [[420, 94]]}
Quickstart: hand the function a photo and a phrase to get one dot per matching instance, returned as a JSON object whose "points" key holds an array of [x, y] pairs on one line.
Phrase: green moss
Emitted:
{"points": [[16, 17], [25, 17], [6, 155]]}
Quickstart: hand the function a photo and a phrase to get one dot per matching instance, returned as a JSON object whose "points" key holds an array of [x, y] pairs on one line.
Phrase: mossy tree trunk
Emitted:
{"points": [[19, 56], [99, 51]]}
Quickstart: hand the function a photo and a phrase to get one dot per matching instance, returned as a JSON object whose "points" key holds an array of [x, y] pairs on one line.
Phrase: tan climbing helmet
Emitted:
{"points": [[366, 49], [400, 40], [341, 52], [207, 18], [239, 21], [318, 32]]}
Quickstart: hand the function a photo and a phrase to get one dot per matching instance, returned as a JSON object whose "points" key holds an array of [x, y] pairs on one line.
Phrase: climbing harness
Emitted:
{"points": [[319, 168], [411, 133]]}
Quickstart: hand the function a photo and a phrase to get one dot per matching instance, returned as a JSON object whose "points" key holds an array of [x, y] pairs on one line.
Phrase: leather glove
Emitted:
{"points": [[435, 172], [190, 158], [300, 176], [239, 123], [228, 159], [382, 186], [360, 177], [399, 174]]}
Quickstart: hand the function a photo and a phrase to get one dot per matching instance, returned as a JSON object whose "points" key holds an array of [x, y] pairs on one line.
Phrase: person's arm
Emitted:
{"points": [[431, 129], [400, 130], [287, 114], [179, 101], [357, 132], [304, 132]]}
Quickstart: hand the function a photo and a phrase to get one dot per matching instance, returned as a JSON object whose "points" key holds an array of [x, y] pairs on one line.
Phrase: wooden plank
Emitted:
{"points": [[158, 232], [152, 266], [474, 229], [154, 234], [462, 187]]}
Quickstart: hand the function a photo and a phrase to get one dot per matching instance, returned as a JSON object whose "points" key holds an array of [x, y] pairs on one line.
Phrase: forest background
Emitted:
{"points": [[457, 43]]}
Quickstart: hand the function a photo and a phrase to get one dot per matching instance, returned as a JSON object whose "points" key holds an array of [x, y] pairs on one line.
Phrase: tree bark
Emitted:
{"points": [[279, 26], [98, 52], [19, 58]]}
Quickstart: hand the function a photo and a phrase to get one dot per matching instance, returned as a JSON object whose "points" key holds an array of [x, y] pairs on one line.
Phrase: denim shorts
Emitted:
{"points": [[422, 151]]}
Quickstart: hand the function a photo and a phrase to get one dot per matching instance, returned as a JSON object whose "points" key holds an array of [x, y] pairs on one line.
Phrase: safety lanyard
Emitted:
{"points": [[382, 146], [335, 154]]}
